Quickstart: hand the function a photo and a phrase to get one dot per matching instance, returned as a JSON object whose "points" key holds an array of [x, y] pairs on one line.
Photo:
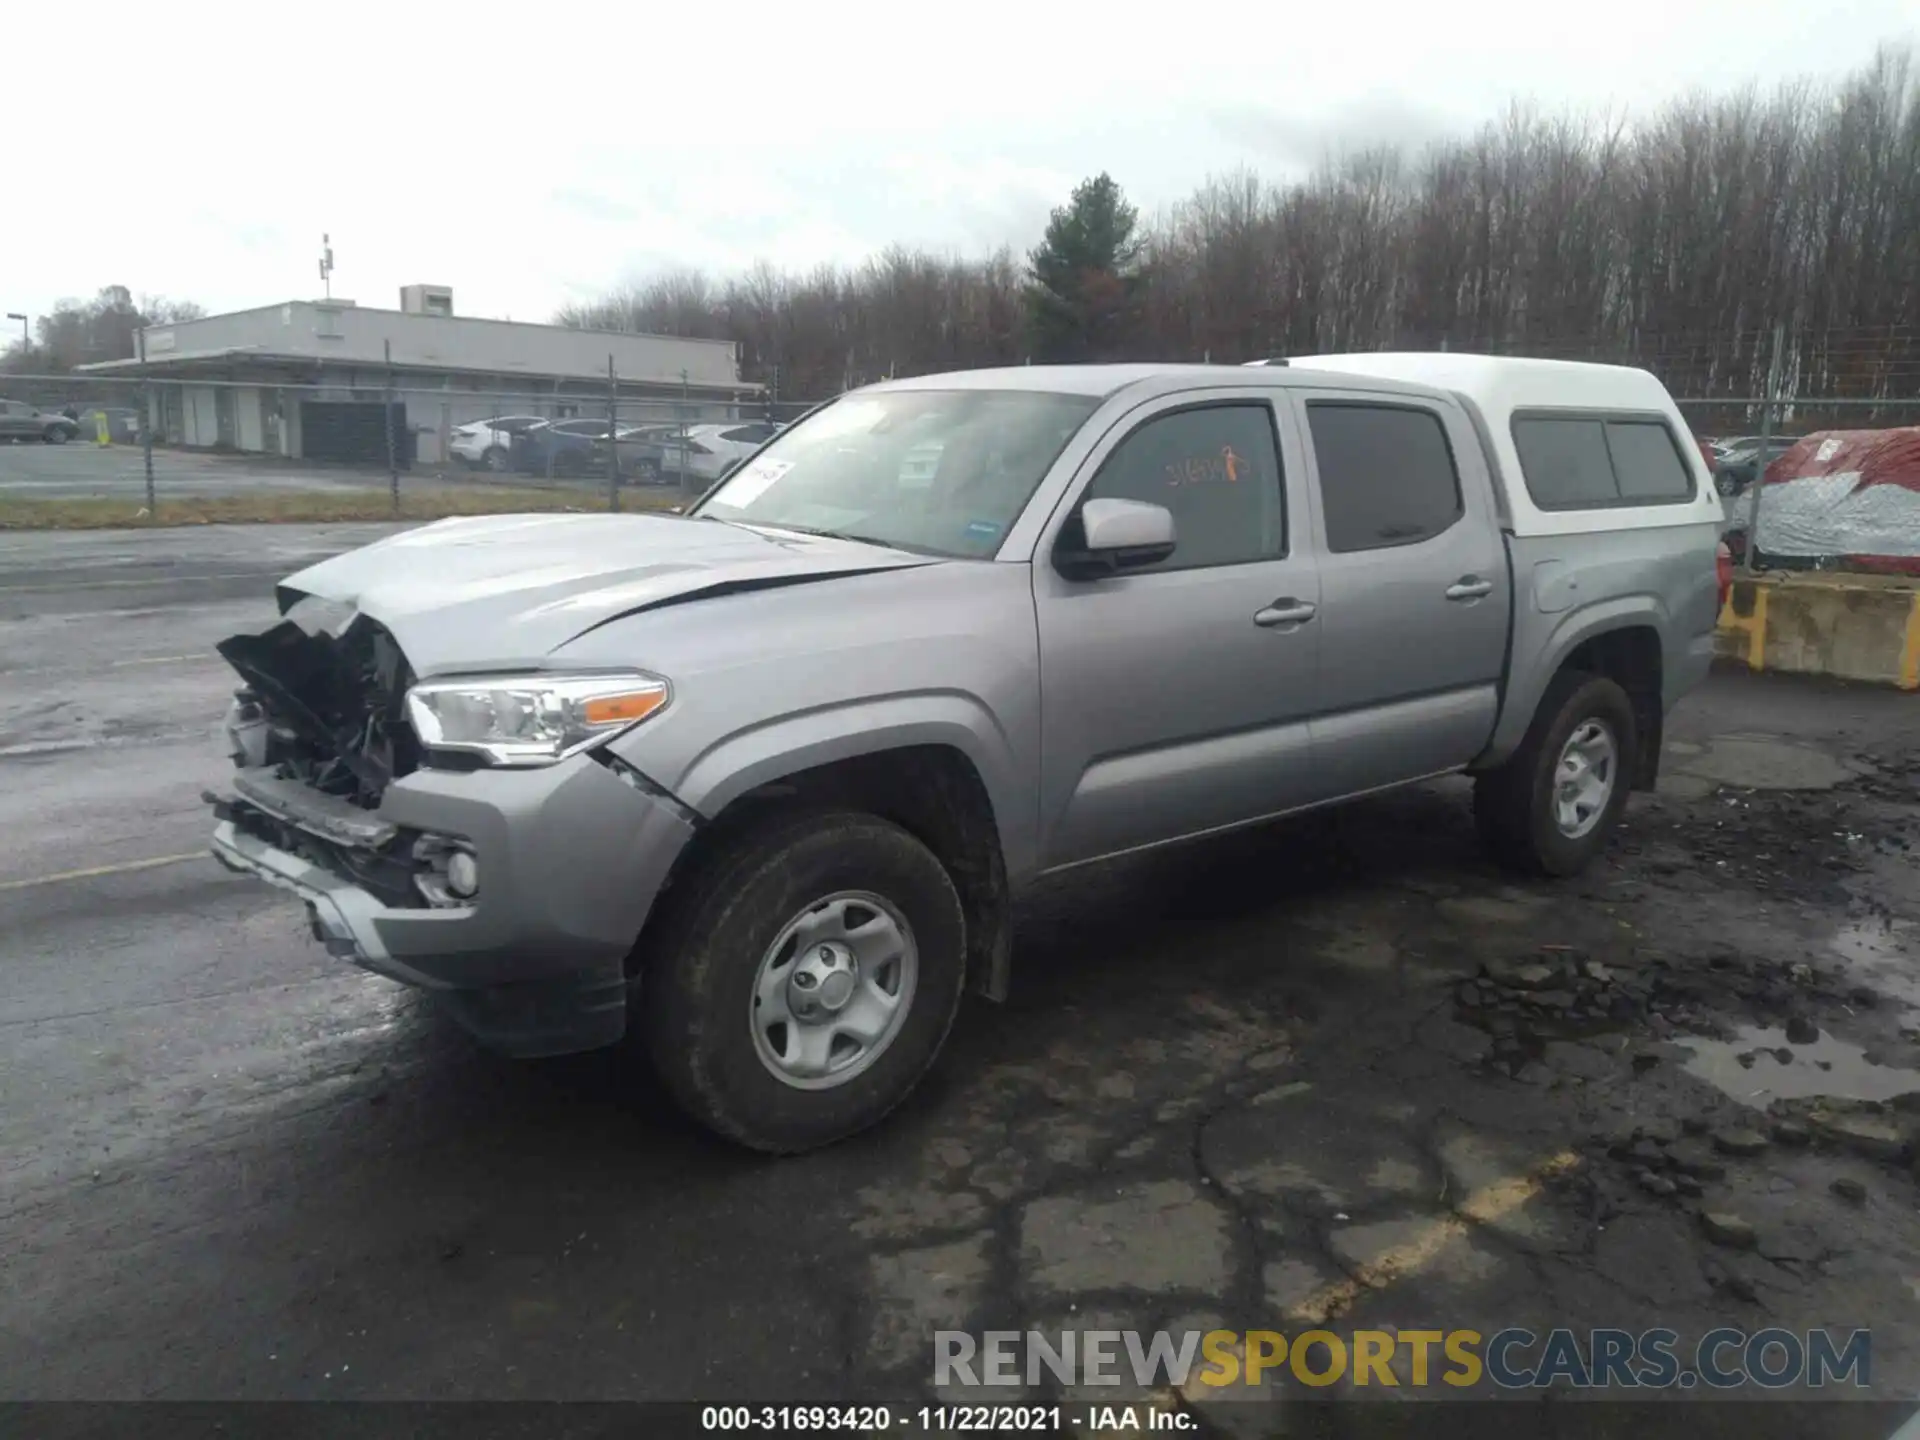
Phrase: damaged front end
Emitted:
{"points": [[324, 706], [317, 733]]}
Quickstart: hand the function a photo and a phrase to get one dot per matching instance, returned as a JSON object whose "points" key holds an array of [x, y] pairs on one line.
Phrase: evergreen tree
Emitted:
{"points": [[1084, 299]]}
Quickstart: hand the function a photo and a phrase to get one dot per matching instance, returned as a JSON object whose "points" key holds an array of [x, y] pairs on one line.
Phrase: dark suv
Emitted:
{"points": [[1740, 460], [561, 447]]}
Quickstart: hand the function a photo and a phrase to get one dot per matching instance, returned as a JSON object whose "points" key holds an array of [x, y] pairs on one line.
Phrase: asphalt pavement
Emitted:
{"points": [[1336, 1071]]}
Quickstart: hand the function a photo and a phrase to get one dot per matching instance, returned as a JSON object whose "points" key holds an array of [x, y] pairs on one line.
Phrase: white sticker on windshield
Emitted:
{"points": [[1828, 449], [753, 481]]}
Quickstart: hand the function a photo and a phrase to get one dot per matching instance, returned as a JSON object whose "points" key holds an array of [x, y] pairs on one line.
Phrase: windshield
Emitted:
{"points": [[944, 472]]}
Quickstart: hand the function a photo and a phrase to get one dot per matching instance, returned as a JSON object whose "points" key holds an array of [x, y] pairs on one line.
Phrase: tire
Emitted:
{"points": [[710, 956], [1516, 809], [496, 460], [647, 472], [1727, 484], [56, 435]]}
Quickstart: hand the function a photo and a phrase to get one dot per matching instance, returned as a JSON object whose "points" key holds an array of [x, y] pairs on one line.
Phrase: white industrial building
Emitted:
{"points": [[308, 379]]}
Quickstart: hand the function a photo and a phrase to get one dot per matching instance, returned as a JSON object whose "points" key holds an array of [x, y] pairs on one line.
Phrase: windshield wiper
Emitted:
{"points": [[830, 534]]}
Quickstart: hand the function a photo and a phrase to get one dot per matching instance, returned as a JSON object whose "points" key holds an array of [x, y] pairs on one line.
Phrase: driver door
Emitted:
{"points": [[1175, 698]]}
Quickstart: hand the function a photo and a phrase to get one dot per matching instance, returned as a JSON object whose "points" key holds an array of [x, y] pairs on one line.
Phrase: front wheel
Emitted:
{"points": [[1551, 807], [806, 980]]}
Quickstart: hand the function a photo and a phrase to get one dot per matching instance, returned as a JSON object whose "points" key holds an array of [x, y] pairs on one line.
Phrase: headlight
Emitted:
{"points": [[530, 719]]}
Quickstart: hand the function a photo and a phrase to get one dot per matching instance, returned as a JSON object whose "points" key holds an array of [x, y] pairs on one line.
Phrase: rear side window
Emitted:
{"points": [[1386, 474], [1645, 462], [1565, 462], [1580, 462]]}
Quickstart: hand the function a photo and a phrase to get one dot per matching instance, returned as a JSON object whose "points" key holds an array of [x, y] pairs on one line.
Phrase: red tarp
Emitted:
{"points": [[1848, 495]]}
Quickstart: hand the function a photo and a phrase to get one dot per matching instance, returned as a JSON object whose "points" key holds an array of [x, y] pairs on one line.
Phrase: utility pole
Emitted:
{"points": [[393, 463], [1768, 397], [613, 438], [146, 421]]}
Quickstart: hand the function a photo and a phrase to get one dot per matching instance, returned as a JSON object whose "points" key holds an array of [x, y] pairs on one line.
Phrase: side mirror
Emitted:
{"points": [[1114, 536]]}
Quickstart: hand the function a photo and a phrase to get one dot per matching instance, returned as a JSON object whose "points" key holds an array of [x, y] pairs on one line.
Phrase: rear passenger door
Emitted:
{"points": [[1414, 589]]}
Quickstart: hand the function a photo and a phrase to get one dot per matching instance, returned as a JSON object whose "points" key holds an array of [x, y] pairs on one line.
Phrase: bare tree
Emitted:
{"points": [[1678, 243]]}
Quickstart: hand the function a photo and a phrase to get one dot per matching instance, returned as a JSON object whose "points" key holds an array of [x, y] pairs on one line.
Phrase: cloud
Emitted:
{"points": [[1294, 142], [673, 138]]}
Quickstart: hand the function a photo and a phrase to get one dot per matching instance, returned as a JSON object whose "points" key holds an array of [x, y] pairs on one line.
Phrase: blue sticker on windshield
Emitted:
{"points": [[985, 529]]}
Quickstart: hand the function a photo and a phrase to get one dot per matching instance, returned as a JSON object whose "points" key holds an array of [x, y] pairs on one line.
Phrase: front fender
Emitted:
{"points": [[1541, 645], [785, 745]]}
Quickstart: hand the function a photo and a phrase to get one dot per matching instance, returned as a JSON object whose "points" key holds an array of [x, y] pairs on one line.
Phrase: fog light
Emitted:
{"points": [[463, 874]]}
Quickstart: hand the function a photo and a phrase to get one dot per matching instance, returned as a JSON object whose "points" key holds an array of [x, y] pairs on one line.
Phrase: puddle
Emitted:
{"points": [[1883, 955], [1850, 1076]]}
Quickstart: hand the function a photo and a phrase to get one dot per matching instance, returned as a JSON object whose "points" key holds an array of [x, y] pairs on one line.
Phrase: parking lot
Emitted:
{"points": [[1338, 1070]]}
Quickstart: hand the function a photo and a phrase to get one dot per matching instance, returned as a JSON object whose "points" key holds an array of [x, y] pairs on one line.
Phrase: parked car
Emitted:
{"points": [[21, 421], [643, 451], [712, 450], [1740, 460], [755, 787], [560, 447], [488, 444]]}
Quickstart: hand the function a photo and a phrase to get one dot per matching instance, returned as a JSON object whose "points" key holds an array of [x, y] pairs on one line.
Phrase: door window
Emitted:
{"points": [[1386, 474], [1217, 468]]}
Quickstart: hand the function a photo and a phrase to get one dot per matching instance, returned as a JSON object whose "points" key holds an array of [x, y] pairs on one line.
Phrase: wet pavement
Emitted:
{"points": [[1337, 1072]]}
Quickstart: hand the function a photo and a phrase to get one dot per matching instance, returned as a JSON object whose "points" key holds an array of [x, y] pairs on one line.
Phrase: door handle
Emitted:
{"points": [[1469, 587], [1287, 611]]}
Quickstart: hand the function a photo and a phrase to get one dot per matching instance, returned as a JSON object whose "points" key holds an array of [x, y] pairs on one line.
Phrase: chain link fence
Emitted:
{"points": [[251, 449], [1753, 415]]}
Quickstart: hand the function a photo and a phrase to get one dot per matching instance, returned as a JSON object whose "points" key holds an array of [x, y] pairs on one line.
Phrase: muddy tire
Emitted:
{"points": [[805, 980], [1551, 807]]}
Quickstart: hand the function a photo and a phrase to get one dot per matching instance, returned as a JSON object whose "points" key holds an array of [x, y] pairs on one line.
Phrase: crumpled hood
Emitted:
{"points": [[504, 591]]}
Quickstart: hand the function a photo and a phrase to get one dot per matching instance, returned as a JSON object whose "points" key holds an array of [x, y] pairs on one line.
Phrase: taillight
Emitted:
{"points": [[1723, 564]]}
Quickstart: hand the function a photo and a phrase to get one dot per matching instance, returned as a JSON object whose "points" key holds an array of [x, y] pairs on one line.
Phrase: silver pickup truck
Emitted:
{"points": [[754, 786]]}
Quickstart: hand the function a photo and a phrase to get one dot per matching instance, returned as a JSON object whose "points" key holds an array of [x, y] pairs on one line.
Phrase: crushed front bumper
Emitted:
{"points": [[570, 859]]}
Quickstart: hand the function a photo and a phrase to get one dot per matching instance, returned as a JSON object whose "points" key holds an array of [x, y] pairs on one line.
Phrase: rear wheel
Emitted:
{"points": [[647, 471], [56, 435], [1551, 807], [805, 982], [495, 460]]}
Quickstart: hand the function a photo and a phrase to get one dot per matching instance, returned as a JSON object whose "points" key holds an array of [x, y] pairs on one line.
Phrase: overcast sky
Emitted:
{"points": [[532, 156]]}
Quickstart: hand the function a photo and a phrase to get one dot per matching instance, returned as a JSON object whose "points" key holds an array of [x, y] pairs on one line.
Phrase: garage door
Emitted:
{"points": [[349, 432]]}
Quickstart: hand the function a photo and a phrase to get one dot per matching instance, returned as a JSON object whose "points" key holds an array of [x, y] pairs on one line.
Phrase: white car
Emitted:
{"points": [[488, 444], [712, 450]]}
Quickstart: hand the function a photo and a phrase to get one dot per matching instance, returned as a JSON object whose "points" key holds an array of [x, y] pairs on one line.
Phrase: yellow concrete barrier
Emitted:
{"points": [[1853, 627]]}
